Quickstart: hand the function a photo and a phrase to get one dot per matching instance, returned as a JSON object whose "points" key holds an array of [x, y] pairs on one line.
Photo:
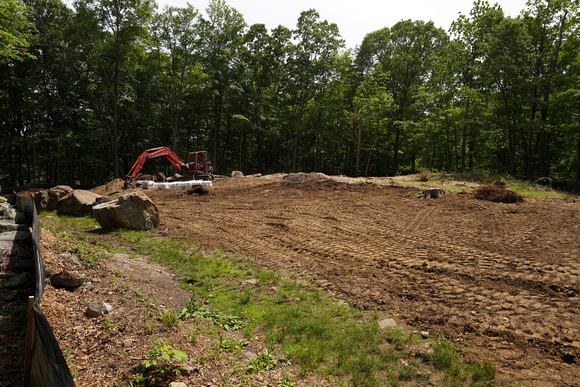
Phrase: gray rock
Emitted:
{"points": [[20, 217], [132, 211], [188, 370], [9, 296], [24, 264], [250, 355], [253, 281], [388, 323], [67, 279], [237, 174], [77, 203], [177, 384], [434, 193], [7, 212], [7, 324], [96, 309], [425, 334], [14, 250], [12, 236], [10, 225], [19, 281], [47, 200], [71, 258]]}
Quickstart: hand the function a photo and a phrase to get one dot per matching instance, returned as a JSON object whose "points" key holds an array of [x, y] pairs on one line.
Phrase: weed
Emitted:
{"points": [[169, 318], [158, 365], [245, 298], [287, 382], [68, 358], [263, 361], [107, 324], [195, 309], [232, 345], [138, 381]]}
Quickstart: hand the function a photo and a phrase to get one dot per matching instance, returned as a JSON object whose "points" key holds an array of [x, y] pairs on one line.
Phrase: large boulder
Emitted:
{"points": [[77, 203], [47, 200], [132, 211]]}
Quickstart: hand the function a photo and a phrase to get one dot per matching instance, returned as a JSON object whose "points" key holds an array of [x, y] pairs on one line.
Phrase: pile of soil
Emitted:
{"points": [[112, 186], [497, 192], [309, 179]]}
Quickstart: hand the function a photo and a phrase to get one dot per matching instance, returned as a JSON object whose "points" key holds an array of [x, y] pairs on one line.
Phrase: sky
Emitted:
{"points": [[354, 18]]}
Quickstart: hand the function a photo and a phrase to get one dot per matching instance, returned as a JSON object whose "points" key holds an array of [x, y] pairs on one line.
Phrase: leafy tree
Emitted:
{"points": [[221, 45], [407, 51], [14, 31], [102, 56], [310, 66], [175, 34], [549, 26]]}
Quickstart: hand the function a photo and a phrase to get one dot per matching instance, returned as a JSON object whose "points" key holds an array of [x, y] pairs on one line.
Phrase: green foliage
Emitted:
{"points": [[169, 318], [263, 362], [15, 31], [107, 324], [232, 345], [159, 367], [79, 243]]}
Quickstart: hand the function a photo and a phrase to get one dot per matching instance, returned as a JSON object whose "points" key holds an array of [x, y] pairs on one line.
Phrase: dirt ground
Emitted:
{"points": [[500, 279]]}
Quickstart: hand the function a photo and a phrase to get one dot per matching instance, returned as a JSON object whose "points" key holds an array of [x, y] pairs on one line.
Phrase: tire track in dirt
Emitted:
{"points": [[431, 262]]}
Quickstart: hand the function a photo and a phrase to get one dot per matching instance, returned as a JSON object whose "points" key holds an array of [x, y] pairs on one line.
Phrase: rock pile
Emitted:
{"points": [[16, 258]]}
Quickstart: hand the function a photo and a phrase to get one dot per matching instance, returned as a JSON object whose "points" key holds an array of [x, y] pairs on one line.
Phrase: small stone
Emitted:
{"points": [[177, 384], [388, 323], [96, 309], [250, 355], [188, 370], [253, 281], [425, 334], [67, 279]]}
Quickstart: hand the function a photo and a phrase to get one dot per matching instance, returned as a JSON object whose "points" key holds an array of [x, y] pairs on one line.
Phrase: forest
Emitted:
{"points": [[85, 89]]}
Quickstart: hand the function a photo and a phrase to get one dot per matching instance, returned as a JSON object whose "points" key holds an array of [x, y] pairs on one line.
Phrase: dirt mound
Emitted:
{"points": [[309, 179], [497, 192], [107, 189]]}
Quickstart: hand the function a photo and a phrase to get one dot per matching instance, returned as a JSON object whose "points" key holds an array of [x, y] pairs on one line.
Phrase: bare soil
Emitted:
{"points": [[499, 279], [502, 280]]}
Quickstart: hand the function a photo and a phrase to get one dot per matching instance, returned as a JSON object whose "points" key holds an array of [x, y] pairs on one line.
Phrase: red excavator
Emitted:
{"points": [[198, 163]]}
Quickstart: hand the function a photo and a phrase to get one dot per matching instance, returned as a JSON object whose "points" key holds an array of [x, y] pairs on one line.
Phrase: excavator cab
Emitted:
{"points": [[199, 162]]}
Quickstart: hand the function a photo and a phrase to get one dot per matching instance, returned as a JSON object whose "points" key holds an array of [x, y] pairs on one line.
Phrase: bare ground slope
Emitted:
{"points": [[502, 279]]}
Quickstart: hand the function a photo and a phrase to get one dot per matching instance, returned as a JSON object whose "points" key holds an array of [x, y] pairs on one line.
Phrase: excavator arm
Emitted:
{"points": [[152, 153]]}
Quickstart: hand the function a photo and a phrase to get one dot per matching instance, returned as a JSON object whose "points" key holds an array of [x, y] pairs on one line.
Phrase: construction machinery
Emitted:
{"points": [[198, 163]]}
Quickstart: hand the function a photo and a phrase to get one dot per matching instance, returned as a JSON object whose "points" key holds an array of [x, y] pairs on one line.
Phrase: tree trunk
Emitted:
{"points": [[396, 145], [358, 140], [542, 153], [217, 108]]}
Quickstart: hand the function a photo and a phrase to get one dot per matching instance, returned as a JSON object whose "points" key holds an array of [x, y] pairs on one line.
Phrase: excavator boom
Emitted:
{"points": [[199, 165]]}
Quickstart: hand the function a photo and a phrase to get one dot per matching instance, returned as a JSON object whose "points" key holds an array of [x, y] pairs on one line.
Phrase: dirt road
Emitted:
{"points": [[500, 279]]}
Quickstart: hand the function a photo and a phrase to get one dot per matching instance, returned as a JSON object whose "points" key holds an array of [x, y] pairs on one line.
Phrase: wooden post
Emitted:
{"points": [[29, 340]]}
